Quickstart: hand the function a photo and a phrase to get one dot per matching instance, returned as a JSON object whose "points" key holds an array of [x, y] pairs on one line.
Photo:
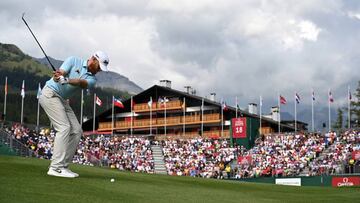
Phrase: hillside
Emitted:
{"points": [[18, 66], [25, 180]]}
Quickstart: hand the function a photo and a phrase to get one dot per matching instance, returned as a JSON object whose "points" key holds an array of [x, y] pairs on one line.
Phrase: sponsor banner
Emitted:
{"points": [[356, 155], [345, 181], [238, 127], [288, 181]]}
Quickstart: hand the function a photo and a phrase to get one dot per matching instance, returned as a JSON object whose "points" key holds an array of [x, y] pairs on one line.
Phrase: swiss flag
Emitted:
{"points": [[98, 101], [282, 100]]}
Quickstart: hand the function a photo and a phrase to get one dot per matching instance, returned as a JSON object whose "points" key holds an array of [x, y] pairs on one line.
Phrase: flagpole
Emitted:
{"points": [[151, 115], [295, 115], [312, 111], [202, 117], [131, 124], [329, 111], [81, 107], [94, 112], [236, 104], [112, 116], [260, 112], [22, 101], [349, 101], [222, 118], [279, 114], [38, 110], [184, 118], [22, 110], [165, 115], [6, 90]]}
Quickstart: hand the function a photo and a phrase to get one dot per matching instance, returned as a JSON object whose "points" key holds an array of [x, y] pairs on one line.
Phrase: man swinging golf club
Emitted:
{"points": [[73, 74]]}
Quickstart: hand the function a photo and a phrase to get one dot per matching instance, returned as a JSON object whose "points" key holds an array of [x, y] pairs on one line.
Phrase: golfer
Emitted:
{"points": [[78, 74]]}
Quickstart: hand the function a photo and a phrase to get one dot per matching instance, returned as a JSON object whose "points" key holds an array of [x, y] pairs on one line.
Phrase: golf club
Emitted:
{"points": [[62, 79]]}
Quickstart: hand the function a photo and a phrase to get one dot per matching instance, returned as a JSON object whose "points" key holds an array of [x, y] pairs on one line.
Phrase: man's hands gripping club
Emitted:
{"points": [[59, 76]]}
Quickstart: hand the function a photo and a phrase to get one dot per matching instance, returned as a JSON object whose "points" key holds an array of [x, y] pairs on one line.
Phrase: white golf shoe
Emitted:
{"points": [[71, 172], [61, 173]]}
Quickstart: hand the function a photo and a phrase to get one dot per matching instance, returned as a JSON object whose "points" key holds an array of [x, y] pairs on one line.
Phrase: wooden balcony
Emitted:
{"points": [[213, 134], [170, 105], [160, 122]]}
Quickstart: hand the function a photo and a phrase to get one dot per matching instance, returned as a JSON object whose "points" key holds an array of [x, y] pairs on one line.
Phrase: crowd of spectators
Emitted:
{"points": [[279, 155], [338, 155], [197, 157], [40, 143], [123, 153]]}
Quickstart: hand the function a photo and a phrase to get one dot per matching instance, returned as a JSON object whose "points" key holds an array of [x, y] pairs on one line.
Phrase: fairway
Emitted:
{"points": [[25, 180]]}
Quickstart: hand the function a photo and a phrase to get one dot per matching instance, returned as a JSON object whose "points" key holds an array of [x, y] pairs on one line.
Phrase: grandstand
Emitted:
{"points": [[273, 156]]}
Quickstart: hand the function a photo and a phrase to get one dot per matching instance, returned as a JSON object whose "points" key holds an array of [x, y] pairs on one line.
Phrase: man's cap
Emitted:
{"points": [[103, 59]]}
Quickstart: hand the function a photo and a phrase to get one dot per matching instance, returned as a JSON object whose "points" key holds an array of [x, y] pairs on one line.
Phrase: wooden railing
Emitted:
{"points": [[158, 122], [143, 107], [210, 117], [214, 134]]}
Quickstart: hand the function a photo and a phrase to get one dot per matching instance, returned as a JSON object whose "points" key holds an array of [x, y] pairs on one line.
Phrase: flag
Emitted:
{"points": [[297, 98], [313, 95], [118, 103], [282, 100], [39, 92], [261, 101], [237, 107], [150, 102], [163, 101], [6, 87], [23, 89], [224, 106], [98, 101], [350, 97], [331, 99]]}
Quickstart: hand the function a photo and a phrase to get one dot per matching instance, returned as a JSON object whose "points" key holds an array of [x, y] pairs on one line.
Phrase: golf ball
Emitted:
{"points": [[112, 180]]}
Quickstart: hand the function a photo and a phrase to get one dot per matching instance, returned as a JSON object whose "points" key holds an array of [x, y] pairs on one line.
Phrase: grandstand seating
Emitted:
{"points": [[274, 155]]}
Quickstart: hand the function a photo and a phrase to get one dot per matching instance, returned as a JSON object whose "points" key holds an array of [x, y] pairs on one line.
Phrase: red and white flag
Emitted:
{"points": [[282, 100], [224, 106], [98, 101], [118, 103]]}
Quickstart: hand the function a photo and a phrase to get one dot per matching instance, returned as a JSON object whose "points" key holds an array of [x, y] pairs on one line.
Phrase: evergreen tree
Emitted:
{"points": [[355, 108], [339, 119]]}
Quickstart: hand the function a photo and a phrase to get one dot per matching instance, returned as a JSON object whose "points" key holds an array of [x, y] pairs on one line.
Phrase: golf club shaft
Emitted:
{"points": [[52, 66]]}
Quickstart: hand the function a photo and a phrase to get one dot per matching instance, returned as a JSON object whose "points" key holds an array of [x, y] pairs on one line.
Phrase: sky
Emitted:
{"points": [[243, 48]]}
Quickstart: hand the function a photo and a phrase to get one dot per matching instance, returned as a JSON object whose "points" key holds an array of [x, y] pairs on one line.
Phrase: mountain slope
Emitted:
{"points": [[17, 66]]}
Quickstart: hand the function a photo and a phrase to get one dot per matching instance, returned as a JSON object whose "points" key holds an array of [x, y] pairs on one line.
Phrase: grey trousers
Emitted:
{"points": [[67, 127]]}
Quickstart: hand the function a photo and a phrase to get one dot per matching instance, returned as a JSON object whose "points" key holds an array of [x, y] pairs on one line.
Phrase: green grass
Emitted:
{"points": [[25, 180]]}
